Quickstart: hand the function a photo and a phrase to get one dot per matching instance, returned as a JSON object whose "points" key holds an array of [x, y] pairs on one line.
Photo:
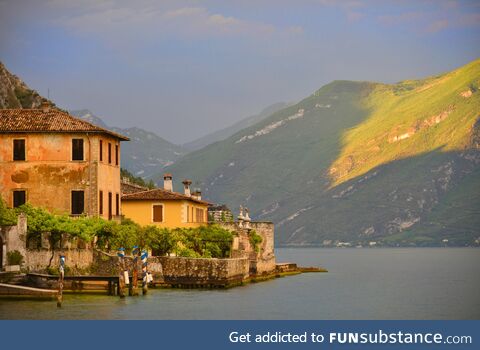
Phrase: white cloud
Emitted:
{"points": [[160, 20]]}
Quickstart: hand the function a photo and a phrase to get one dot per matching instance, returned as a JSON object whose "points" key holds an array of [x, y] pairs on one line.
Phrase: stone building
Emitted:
{"points": [[53, 160], [165, 208], [219, 213]]}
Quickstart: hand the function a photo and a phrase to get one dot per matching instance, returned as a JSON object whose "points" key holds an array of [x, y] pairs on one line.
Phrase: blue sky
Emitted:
{"points": [[185, 68]]}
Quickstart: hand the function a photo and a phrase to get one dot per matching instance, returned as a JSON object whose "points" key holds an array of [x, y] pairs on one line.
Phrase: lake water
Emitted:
{"points": [[402, 283]]}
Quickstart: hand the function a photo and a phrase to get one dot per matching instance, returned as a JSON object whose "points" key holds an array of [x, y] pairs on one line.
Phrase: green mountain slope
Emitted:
{"points": [[357, 162]]}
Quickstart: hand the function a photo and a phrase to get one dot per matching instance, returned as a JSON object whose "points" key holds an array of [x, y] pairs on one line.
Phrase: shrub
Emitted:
{"points": [[7, 216], [14, 258], [255, 240]]}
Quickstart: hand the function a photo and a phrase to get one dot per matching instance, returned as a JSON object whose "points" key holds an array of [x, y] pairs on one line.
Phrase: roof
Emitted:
{"points": [[129, 188], [53, 120], [160, 194]]}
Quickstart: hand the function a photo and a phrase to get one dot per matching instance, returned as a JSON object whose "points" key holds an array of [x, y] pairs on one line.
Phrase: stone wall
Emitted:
{"points": [[39, 253], [75, 259], [179, 271], [262, 260], [206, 272], [14, 238]]}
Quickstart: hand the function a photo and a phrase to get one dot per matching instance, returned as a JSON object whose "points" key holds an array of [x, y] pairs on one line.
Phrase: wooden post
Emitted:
{"points": [[121, 272], [144, 272], [134, 283], [61, 271]]}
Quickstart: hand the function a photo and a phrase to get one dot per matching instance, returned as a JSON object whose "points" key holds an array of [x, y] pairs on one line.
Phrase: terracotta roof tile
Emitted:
{"points": [[129, 188], [54, 120], [160, 194]]}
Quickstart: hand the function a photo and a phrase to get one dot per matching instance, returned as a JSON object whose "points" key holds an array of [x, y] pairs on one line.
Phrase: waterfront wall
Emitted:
{"points": [[197, 271], [41, 253], [179, 271], [262, 259], [76, 259]]}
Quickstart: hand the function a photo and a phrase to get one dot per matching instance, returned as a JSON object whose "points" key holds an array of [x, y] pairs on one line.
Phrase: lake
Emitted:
{"points": [[376, 283]]}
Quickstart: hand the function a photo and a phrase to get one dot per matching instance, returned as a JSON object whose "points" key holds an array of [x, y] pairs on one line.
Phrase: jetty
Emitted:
{"points": [[77, 282], [14, 290]]}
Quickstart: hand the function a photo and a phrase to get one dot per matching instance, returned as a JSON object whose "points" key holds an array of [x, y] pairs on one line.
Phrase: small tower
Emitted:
{"points": [[247, 219], [240, 217]]}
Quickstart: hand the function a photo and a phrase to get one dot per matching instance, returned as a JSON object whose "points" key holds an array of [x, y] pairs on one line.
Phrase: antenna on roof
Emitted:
{"points": [[48, 93]]}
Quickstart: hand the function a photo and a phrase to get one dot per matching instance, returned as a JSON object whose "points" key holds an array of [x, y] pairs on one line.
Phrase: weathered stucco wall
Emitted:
{"points": [[48, 174], [108, 174]]}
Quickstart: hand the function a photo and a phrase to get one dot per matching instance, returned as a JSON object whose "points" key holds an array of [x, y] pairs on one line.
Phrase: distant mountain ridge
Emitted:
{"points": [[358, 162], [232, 129], [146, 153]]}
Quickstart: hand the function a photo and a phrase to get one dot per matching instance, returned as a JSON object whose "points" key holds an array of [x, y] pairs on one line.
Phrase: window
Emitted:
{"points": [[18, 149], [19, 198], [100, 202], [77, 149], [78, 202], [158, 213], [116, 154], [200, 215], [117, 204], [188, 213], [109, 153], [109, 205], [101, 150]]}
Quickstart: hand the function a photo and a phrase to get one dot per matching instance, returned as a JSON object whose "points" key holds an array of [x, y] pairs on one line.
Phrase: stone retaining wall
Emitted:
{"points": [[178, 271]]}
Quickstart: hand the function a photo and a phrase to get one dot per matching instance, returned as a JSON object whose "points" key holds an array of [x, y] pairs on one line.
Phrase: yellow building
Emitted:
{"points": [[53, 160], [166, 208]]}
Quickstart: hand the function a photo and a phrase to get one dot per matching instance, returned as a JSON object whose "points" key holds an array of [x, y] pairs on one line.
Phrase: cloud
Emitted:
{"points": [[190, 22]]}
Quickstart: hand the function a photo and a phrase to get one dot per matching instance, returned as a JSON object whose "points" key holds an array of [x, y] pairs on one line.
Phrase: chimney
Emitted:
{"points": [[197, 194], [45, 106], [167, 182], [186, 187]]}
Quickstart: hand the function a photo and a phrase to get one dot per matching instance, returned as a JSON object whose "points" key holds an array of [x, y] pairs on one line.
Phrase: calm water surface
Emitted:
{"points": [[403, 283]]}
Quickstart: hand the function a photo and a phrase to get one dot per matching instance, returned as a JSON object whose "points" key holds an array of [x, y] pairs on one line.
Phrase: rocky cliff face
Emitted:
{"points": [[14, 93]]}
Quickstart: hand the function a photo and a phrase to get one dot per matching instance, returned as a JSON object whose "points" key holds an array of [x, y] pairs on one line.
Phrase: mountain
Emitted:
{"points": [[14, 93], [224, 133], [145, 154], [358, 162]]}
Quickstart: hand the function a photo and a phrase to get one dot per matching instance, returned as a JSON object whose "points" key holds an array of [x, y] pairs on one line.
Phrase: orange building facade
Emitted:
{"points": [[165, 208], [56, 161]]}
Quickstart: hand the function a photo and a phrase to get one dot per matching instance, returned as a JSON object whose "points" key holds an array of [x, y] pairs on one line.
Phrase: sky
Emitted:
{"points": [[183, 69]]}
